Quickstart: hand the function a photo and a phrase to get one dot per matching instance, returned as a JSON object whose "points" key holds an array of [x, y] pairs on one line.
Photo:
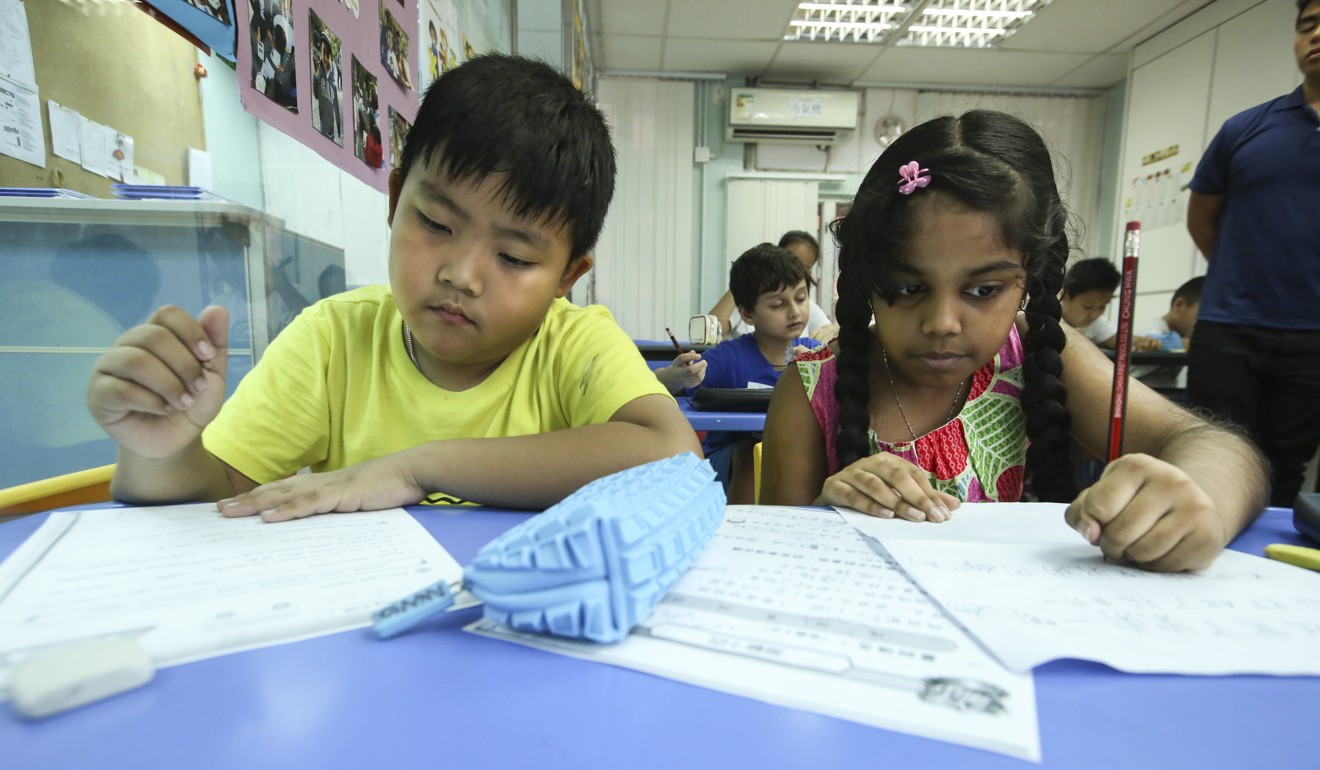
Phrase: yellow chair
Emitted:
{"points": [[756, 472], [77, 488]]}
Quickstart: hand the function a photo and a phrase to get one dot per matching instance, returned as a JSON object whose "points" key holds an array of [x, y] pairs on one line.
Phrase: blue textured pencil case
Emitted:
{"points": [[593, 566]]}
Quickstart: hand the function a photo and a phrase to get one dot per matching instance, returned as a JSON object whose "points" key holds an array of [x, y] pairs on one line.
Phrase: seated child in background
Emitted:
{"points": [[1088, 287], [1174, 332], [804, 246], [770, 286], [952, 379], [468, 378]]}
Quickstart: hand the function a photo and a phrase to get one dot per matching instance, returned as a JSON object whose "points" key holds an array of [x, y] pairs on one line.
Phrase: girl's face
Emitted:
{"points": [[960, 288], [804, 252]]}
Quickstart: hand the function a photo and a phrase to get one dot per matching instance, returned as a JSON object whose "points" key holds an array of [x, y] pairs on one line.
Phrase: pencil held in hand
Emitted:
{"points": [[674, 340]]}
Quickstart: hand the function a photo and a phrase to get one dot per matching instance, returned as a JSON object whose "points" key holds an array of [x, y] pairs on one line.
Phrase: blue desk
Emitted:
{"points": [[441, 698], [703, 420]]}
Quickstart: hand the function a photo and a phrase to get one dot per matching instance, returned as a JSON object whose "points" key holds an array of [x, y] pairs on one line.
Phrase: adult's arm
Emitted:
{"points": [[1203, 220]]}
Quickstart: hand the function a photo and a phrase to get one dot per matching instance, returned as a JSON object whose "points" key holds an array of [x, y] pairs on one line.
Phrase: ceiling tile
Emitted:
{"points": [[834, 63], [632, 17], [1086, 26], [631, 52], [975, 67], [730, 19], [733, 57], [1100, 72]]}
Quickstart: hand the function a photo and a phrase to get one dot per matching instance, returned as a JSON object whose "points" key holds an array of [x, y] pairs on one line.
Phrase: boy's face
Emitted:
{"points": [[472, 280], [1182, 317], [780, 314], [1081, 309]]}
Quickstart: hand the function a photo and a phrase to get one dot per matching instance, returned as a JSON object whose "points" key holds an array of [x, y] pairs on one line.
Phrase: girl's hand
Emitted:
{"points": [[374, 485], [886, 485], [1150, 512], [826, 333]]}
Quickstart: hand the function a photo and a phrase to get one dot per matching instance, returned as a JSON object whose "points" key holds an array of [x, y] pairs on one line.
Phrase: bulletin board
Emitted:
{"points": [[117, 66]]}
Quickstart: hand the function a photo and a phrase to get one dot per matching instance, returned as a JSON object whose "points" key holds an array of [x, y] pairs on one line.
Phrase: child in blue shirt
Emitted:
{"points": [[769, 285]]}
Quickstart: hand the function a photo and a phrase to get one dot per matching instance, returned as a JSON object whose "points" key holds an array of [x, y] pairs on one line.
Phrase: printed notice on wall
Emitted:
{"points": [[20, 123]]}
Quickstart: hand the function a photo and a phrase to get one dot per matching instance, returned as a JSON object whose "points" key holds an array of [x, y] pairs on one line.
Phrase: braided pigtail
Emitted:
{"points": [[1044, 399], [852, 389]]}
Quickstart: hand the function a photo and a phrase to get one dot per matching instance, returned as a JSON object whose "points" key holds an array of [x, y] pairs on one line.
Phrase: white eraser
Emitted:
{"points": [[49, 683]]}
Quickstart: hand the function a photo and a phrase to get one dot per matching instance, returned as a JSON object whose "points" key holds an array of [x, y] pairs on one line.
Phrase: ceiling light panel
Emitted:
{"points": [[937, 23]]}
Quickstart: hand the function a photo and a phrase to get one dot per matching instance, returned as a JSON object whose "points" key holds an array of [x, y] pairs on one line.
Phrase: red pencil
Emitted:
{"points": [[674, 340], [1123, 340]]}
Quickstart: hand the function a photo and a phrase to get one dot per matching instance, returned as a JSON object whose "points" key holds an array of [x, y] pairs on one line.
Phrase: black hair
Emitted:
{"points": [[505, 114], [989, 162], [799, 236], [1189, 292], [1094, 274], [1301, 8], [762, 268]]}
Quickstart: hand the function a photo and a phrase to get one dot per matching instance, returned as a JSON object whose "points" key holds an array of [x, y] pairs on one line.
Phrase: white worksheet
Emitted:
{"points": [[791, 606], [187, 583], [1032, 590]]}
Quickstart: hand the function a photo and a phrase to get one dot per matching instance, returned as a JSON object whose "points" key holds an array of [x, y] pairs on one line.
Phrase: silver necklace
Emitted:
{"points": [[408, 343], [892, 389]]}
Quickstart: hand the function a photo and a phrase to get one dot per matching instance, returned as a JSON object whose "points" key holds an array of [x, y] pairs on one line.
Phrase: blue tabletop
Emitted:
{"points": [[706, 420], [442, 698]]}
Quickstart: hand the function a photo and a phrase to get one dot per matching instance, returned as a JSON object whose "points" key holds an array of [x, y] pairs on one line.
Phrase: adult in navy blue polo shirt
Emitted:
{"points": [[1255, 214]]}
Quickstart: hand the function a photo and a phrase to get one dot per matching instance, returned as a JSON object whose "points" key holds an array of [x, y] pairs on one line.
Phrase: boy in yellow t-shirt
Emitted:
{"points": [[469, 379]]}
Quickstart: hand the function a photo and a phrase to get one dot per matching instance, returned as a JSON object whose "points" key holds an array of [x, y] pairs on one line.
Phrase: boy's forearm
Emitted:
{"points": [[1227, 467], [537, 471], [191, 475]]}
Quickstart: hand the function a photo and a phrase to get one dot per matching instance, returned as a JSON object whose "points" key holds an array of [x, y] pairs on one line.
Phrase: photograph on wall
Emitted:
{"points": [[453, 31], [436, 19], [399, 128], [273, 71], [208, 23], [327, 80], [216, 9], [366, 121], [394, 47]]}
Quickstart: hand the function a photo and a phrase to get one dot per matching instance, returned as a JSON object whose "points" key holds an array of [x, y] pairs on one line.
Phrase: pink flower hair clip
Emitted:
{"points": [[914, 176]]}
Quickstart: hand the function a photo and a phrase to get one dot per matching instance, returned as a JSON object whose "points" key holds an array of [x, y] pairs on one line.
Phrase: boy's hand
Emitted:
{"points": [[886, 485], [162, 382], [687, 371], [1140, 342], [374, 485], [1152, 513]]}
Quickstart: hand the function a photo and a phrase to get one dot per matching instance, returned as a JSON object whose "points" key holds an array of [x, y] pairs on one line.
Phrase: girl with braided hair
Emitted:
{"points": [[953, 380]]}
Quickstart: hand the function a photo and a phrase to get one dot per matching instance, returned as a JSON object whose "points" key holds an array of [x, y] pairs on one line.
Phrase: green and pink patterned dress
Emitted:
{"points": [[978, 456]]}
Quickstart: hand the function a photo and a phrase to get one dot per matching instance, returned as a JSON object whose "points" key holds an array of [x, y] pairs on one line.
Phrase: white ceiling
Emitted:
{"points": [[1071, 44]]}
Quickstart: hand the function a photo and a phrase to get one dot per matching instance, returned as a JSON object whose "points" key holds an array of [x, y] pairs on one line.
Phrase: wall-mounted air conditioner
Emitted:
{"points": [[779, 115]]}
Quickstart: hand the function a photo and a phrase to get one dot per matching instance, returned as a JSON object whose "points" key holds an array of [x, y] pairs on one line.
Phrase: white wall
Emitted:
{"points": [[260, 167], [1182, 84], [643, 271]]}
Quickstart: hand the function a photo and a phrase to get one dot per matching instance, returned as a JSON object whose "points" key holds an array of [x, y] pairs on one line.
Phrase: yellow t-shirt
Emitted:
{"points": [[336, 387]]}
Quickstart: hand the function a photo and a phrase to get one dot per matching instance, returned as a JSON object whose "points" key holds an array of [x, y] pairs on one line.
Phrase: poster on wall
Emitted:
{"points": [[211, 22], [453, 31], [1157, 197], [333, 74]]}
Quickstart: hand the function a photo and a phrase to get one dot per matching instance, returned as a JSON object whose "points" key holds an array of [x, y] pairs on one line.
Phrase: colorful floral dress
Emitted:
{"points": [[978, 456]]}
